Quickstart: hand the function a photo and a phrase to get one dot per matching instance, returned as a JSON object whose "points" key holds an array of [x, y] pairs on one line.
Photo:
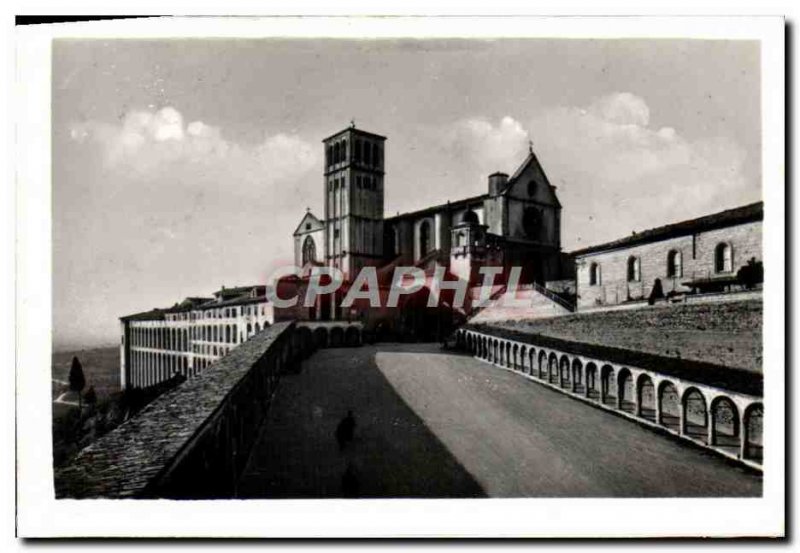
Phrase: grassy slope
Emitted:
{"points": [[728, 334]]}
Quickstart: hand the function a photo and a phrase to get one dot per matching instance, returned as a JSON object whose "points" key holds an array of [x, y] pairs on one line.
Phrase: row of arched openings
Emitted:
{"points": [[331, 337], [365, 152], [176, 339], [717, 422], [148, 368]]}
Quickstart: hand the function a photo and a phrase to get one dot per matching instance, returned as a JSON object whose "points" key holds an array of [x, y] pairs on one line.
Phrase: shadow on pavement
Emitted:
{"points": [[393, 453]]}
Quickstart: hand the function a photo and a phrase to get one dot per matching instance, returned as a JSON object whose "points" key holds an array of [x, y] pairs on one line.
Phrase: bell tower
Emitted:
{"points": [[354, 180]]}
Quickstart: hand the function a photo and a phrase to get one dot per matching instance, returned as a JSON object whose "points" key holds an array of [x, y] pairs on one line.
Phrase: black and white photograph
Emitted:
{"points": [[373, 267]]}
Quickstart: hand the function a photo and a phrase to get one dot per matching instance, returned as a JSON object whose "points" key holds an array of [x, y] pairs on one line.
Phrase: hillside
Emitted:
{"points": [[100, 367]]}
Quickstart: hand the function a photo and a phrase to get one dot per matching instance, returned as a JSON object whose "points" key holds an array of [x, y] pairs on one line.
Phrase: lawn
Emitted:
{"points": [[728, 334]]}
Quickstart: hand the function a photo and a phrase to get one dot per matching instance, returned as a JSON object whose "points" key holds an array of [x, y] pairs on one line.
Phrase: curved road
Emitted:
{"points": [[437, 424]]}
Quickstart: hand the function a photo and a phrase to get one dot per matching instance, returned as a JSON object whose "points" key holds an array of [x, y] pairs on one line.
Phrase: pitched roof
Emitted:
{"points": [[238, 295], [239, 300], [730, 217], [158, 313], [354, 130], [308, 216], [531, 161], [458, 204], [152, 315], [238, 290], [193, 300]]}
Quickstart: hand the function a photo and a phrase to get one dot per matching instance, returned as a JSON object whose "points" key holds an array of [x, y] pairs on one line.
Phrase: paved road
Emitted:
{"points": [[434, 424]]}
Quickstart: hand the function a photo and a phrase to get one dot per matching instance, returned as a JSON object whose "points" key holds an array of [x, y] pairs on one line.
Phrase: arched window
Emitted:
{"points": [[634, 274], [532, 221], [344, 150], [329, 155], [358, 150], [309, 250], [723, 258], [674, 264], [376, 156], [367, 153], [424, 238], [461, 239], [594, 274]]}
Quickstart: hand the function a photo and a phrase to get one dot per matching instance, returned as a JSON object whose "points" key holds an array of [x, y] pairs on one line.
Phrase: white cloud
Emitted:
{"points": [[622, 108], [146, 140], [488, 146], [176, 208], [611, 167]]}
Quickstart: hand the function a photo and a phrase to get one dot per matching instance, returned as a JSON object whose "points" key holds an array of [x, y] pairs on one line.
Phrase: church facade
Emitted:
{"points": [[516, 222]]}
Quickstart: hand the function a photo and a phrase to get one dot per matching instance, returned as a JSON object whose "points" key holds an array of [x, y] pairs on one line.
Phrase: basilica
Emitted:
{"points": [[516, 222]]}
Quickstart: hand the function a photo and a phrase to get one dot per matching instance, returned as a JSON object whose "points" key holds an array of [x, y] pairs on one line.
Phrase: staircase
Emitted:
{"points": [[541, 304], [552, 296], [429, 261], [477, 308]]}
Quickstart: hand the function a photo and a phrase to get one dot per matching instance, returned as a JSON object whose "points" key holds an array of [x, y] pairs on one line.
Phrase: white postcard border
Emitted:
{"points": [[41, 515]]}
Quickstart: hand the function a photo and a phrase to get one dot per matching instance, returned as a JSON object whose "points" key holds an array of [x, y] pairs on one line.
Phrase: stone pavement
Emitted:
{"points": [[437, 424]]}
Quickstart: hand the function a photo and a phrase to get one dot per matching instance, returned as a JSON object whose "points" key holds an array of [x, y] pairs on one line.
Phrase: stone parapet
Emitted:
{"points": [[194, 440]]}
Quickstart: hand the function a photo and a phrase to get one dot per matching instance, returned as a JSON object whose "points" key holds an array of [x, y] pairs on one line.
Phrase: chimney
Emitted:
{"points": [[497, 183]]}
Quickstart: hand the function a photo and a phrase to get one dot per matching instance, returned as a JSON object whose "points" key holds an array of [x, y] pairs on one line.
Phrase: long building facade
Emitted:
{"points": [[184, 339], [695, 256]]}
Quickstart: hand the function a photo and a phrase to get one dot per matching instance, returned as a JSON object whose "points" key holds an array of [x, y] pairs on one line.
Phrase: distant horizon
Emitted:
{"points": [[182, 163]]}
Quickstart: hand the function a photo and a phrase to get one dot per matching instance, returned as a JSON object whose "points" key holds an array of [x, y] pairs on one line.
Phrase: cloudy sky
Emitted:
{"points": [[180, 166]]}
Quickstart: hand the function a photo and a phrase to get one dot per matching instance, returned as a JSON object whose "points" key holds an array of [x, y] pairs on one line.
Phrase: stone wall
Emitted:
{"points": [[191, 442], [697, 253]]}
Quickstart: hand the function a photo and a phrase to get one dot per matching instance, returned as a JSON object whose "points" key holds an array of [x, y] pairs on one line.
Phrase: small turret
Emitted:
{"points": [[497, 183]]}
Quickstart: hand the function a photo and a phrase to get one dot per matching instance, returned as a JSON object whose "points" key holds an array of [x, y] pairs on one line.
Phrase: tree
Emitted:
{"points": [[657, 293], [751, 274], [76, 379], [91, 396]]}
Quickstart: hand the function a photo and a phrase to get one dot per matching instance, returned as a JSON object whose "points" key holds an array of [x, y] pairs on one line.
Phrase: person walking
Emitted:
{"points": [[345, 430]]}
